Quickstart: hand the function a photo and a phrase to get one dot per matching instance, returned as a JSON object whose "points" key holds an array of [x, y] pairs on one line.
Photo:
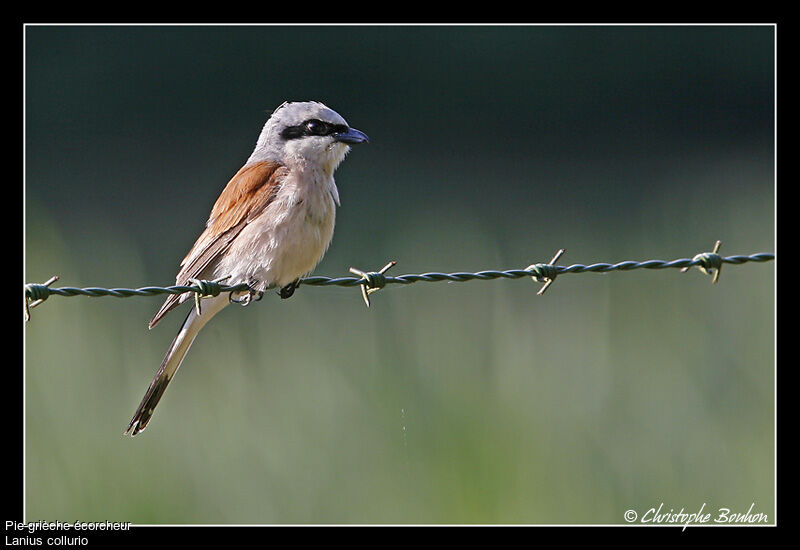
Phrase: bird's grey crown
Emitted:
{"points": [[296, 112]]}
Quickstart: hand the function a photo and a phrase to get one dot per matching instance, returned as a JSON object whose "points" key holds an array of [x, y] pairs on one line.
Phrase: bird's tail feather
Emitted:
{"points": [[173, 359]]}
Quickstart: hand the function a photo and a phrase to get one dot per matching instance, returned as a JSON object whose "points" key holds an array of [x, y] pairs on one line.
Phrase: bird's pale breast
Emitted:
{"points": [[288, 239]]}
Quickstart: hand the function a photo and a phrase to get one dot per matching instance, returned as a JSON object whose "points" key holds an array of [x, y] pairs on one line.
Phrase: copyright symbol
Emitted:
{"points": [[630, 516]]}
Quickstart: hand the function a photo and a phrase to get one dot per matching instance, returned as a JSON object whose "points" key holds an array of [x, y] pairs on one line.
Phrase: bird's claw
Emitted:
{"points": [[251, 296]]}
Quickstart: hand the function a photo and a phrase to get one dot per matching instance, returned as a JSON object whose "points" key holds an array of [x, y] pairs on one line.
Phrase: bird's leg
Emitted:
{"points": [[288, 290]]}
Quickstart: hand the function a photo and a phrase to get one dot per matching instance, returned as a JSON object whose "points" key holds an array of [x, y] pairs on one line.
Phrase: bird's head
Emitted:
{"points": [[306, 134]]}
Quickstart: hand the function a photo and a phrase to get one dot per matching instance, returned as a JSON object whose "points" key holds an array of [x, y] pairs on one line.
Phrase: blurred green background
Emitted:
{"points": [[491, 148]]}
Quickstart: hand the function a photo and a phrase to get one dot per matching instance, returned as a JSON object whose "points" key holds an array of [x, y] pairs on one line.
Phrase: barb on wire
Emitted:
{"points": [[37, 293], [372, 281], [206, 289], [545, 273], [708, 262]]}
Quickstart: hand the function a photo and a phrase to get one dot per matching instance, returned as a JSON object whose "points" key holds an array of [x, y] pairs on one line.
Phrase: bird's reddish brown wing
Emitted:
{"points": [[248, 192]]}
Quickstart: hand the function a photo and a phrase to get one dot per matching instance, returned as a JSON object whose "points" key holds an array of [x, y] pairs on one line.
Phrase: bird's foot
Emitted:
{"points": [[288, 290], [246, 299]]}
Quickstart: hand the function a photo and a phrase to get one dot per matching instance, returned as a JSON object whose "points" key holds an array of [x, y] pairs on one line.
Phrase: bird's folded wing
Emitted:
{"points": [[245, 196]]}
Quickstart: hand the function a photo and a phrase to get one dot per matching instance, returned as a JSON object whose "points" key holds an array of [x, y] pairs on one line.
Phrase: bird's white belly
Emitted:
{"points": [[285, 242]]}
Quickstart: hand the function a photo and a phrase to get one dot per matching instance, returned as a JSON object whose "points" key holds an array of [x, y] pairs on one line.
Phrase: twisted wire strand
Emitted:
{"points": [[519, 273], [41, 292], [96, 292]]}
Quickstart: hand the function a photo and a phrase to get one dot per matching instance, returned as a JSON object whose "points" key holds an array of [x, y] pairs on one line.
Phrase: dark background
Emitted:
{"points": [[490, 148]]}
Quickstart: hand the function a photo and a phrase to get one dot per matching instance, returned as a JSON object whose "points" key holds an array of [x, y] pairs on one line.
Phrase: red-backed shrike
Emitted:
{"points": [[270, 226]]}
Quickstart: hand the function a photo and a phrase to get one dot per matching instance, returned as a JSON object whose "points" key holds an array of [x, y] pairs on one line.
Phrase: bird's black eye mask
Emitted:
{"points": [[312, 127]]}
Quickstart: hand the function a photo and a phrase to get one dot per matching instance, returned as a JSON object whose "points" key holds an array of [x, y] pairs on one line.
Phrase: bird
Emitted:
{"points": [[270, 226]]}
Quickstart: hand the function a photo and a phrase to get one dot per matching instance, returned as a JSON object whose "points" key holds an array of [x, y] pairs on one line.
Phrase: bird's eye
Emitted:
{"points": [[317, 127]]}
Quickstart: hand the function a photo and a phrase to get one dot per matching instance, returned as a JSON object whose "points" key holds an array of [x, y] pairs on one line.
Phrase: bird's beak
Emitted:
{"points": [[351, 136]]}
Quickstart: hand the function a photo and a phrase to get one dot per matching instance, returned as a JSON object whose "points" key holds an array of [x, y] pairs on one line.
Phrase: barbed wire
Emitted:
{"points": [[709, 263]]}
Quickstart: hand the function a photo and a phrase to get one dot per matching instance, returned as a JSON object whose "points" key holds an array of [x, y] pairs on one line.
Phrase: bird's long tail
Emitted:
{"points": [[173, 359]]}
